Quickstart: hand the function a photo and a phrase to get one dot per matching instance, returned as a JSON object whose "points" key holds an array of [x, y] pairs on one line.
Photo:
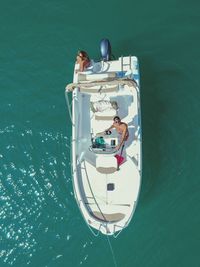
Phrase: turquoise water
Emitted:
{"points": [[40, 224]]}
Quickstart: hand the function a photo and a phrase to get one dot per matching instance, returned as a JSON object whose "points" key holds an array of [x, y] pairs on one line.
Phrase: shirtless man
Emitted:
{"points": [[122, 129]]}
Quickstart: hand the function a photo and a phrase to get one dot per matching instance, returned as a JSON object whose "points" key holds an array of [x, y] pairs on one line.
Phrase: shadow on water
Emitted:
{"points": [[151, 107]]}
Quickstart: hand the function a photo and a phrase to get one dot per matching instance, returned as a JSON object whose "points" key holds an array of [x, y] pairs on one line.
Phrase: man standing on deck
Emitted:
{"points": [[121, 128]]}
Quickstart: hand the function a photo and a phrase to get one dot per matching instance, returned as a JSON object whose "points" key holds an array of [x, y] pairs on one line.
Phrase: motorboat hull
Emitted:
{"points": [[106, 190]]}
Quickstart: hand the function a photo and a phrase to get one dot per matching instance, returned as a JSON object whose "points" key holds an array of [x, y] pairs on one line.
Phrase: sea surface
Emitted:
{"points": [[40, 223]]}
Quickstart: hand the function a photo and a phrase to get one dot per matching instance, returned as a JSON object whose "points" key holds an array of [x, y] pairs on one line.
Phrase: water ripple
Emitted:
{"points": [[34, 194]]}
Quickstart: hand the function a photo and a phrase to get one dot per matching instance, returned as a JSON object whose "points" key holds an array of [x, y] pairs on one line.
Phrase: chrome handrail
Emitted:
{"points": [[116, 235], [69, 106]]}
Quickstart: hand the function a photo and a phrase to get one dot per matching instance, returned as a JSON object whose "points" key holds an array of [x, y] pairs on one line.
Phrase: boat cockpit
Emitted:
{"points": [[104, 143]]}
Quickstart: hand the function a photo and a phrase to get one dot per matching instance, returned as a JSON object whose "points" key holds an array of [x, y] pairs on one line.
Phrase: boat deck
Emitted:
{"points": [[115, 193], [107, 195], [90, 126]]}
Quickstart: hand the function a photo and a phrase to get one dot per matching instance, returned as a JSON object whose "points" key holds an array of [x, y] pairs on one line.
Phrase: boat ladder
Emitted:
{"points": [[125, 64]]}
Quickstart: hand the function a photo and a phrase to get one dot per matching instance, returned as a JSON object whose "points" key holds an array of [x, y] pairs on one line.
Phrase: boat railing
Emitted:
{"points": [[69, 105], [125, 64], [92, 230], [116, 234], [127, 222], [93, 194], [73, 170]]}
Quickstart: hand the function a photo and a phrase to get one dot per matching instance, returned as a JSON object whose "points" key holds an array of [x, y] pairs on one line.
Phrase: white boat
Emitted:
{"points": [[106, 193]]}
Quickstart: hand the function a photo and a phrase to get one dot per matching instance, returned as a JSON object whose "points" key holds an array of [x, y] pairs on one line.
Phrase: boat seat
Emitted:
{"points": [[104, 109], [115, 217], [104, 116], [98, 89], [106, 164], [95, 76]]}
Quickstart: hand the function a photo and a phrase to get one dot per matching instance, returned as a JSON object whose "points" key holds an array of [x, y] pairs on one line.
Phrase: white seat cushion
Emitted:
{"points": [[104, 109], [106, 114], [106, 164]]}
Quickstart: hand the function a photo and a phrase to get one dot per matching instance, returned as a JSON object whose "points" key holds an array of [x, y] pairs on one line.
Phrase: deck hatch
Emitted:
{"points": [[110, 187]]}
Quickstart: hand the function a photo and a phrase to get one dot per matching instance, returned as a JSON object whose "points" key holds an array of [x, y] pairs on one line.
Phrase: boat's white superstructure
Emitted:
{"points": [[106, 195]]}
